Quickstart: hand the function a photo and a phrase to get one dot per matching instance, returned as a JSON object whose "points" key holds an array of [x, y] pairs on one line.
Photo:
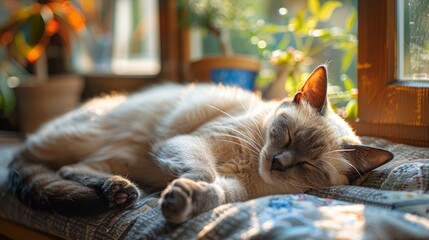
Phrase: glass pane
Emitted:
{"points": [[413, 42], [121, 38]]}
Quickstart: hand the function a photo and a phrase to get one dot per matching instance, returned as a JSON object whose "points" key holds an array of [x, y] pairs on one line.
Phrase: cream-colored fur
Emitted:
{"points": [[217, 142]]}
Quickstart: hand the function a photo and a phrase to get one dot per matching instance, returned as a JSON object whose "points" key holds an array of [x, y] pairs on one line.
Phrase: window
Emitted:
{"points": [[413, 39], [388, 108], [397, 110], [122, 38]]}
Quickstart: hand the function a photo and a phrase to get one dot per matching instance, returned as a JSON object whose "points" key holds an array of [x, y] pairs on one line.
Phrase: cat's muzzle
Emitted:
{"points": [[276, 164], [283, 161]]}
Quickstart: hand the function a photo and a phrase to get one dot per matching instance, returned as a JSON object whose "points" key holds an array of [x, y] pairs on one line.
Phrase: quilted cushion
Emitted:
{"points": [[389, 202]]}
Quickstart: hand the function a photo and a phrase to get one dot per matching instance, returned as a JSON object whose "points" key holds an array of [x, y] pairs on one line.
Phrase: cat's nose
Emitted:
{"points": [[282, 161], [276, 164]]}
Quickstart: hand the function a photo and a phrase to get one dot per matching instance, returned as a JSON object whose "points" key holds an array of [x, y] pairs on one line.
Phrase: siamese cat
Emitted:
{"points": [[201, 145]]}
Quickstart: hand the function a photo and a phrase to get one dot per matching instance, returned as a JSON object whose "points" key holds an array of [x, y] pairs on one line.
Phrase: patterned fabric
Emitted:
{"points": [[390, 202], [297, 216]]}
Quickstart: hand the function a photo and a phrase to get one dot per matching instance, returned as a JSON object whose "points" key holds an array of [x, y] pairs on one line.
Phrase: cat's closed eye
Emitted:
{"points": [[288, 139], [281, 135], [273, 133]]}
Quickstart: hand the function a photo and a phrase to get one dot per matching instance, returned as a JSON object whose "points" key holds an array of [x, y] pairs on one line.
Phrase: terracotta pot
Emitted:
{"points": [[40, 103], [213, 67]]}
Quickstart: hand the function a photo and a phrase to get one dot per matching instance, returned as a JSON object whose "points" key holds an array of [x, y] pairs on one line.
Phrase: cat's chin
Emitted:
{"points": [[266, 176], [281, 186], [274, 179]]}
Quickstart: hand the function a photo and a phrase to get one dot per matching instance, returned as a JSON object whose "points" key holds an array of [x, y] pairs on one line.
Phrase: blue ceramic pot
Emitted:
{"points": [[235, 77]]}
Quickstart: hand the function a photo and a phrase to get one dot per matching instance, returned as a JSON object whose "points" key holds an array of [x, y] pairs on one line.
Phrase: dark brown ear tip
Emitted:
{"points": [[322, 67], [389, 155]]}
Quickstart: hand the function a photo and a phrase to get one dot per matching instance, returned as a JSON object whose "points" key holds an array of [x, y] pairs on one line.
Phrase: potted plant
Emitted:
{"points": [[36, 37], [218, 17], [298, 39]]}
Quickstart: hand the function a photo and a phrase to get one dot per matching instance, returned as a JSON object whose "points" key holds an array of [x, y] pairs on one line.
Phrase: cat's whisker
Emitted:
{"points": [[232, 117], [223, 140], [313, 165], [259, 133], [296, 184], [335, 169], [299, 186], [290, 182], [339, 150], [256, 144], [347, 163], [255, 158], [242, 134], [244, 140], [222, 111]]}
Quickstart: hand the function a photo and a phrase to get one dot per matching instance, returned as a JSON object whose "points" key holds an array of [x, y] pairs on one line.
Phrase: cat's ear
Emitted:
{"points": [[314, 90], [364, 158]]}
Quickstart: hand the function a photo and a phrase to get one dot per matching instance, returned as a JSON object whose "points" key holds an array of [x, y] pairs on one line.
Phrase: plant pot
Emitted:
{"points": [[42, 102], [229, 70]]}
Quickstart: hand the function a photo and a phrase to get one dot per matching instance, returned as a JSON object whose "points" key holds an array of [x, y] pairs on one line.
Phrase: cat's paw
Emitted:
{"points": [[120, 192], [184, 198], [176, 200]]}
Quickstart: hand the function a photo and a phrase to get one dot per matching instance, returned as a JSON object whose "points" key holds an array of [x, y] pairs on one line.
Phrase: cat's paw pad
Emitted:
{"points": [[177, 200], [120, 192]]}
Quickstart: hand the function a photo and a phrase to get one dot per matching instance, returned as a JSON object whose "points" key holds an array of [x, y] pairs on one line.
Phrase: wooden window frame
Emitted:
{"points": [[388, 108]]}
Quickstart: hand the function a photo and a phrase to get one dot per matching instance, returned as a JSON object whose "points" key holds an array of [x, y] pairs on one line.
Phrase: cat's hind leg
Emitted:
{"points": [[73, 190], [118, 191], [42, 188]]}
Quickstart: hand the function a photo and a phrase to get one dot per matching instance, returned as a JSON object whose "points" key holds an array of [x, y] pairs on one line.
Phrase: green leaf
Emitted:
{"points": [[309, 24], [273, 28], [313, 6], [284, 43], [290, 85], [7, 97], [347, 59], [345, 46], [297, 22], [347, 82], [322, 33], [29, 38], [33, 29], [351, 110], [327, 9], [350, 21]]}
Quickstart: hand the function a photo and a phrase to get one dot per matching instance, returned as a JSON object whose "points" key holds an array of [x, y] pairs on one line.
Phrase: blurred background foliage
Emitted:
{"points": [[290, 37], [26, 30]]}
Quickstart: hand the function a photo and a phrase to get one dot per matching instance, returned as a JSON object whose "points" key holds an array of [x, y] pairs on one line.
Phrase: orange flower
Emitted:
{"points": [[58, 16]]}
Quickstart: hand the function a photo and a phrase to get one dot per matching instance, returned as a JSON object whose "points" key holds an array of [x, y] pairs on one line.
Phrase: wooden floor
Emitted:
{"points": [[11, 230]]}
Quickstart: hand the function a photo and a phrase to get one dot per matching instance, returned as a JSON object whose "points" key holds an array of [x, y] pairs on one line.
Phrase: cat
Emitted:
{"points": [[200, 145]]}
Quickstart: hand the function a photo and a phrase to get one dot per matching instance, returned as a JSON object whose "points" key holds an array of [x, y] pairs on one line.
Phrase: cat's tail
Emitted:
{"points": [[40, 187]]}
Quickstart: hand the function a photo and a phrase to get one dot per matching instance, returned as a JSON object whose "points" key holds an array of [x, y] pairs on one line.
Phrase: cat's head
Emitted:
{"points": [[309, 146]]}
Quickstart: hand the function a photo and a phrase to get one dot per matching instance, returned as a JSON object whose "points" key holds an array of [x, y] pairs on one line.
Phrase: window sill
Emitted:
{"points": [[407, 134]]}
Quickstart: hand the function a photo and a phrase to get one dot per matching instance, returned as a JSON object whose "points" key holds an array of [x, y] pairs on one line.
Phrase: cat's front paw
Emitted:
{"points": [[120, 192], [178, 200]]}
